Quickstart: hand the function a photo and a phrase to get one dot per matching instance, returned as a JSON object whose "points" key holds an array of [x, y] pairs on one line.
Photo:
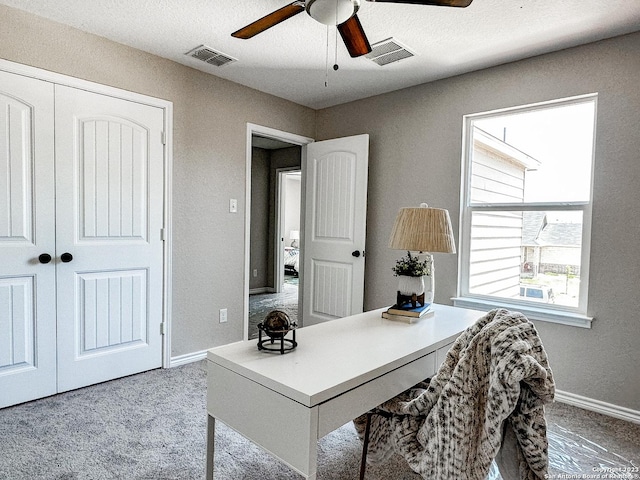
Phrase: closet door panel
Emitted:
{"points": [[27, 286], [112, 181], [109, 218]]}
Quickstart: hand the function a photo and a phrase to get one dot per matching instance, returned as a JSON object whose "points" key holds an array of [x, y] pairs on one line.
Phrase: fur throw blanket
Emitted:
{"points": [[496, 376]]}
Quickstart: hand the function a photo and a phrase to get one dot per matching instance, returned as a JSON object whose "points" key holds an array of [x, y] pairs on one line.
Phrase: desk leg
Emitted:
{"points": [[211, 436]]}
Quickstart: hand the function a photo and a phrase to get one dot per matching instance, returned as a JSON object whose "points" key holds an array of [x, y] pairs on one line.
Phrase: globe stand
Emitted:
{"points": [[283, 344]]}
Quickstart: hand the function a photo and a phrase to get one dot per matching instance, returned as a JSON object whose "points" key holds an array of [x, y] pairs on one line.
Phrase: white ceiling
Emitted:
{"points": [[290, 59]]}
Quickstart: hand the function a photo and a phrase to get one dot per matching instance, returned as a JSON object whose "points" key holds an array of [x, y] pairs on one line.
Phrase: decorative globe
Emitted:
{"points": [[276, 324]]}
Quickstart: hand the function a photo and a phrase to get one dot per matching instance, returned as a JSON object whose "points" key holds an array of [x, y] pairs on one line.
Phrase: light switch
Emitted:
{"points": [[233, 205]]}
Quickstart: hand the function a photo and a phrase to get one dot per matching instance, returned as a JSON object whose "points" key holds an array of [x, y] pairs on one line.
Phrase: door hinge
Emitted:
{"points": [[163, 234], [163, 138], [162, 328]]}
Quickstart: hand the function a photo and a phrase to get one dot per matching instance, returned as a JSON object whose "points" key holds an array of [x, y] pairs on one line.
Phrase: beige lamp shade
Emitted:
{"points": [[423, 229]]}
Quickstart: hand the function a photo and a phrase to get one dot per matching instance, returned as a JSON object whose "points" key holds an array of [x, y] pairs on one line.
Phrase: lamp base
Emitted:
{"points": [[413, 299]]}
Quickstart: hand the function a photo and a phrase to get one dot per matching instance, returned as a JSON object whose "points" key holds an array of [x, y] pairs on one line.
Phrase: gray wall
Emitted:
{"points": [[260, 219], [416, 148], [210, 116]]}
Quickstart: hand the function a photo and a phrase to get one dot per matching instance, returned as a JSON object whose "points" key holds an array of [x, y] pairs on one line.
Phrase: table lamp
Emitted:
{"points": [[425, 230], [294, 235]]}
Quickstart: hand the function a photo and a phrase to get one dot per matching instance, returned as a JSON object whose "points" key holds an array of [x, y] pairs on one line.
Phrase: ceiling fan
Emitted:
{"points": [[342, 13]]}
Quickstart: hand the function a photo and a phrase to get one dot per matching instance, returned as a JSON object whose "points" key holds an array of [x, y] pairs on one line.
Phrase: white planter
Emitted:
{"points": [[410, 285]]}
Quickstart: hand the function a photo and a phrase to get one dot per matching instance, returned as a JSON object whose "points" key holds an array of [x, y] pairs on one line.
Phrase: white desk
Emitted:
{"points": [[340, 370]]}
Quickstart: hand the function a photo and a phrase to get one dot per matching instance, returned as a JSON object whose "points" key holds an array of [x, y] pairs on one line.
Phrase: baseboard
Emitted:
{"points": [[187, 358], [598, 406]]}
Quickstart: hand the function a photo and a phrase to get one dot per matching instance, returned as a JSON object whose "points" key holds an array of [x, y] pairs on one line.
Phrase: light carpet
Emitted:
{"points": [[152, 426]]}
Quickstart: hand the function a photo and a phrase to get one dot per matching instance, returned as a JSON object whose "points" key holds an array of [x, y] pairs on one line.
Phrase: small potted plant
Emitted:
{"points": [[411, 271]]}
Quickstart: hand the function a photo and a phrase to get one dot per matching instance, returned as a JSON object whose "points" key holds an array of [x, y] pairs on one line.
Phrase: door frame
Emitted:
{"points": [[167, 107], [281, 173], [268, 132]]}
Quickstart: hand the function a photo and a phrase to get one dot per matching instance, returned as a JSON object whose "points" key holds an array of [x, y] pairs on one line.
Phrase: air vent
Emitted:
{"points": [[210, 56], [388, 51]]}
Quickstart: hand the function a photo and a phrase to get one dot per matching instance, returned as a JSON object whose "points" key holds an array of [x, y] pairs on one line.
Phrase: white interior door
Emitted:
{"points": [[335, 173], [109, 217], [27, 287]]}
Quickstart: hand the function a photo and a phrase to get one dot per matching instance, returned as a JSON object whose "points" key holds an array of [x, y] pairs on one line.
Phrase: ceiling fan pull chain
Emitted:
{"points": [[335, 57], [335, 43], [326, 62]]}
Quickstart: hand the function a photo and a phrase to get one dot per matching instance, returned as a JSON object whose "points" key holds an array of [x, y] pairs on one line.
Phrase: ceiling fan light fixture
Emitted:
{"points": [[332, 12]]}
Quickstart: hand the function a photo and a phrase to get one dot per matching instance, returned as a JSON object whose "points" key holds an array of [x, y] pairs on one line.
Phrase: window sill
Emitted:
{"points": [[531, 312]]}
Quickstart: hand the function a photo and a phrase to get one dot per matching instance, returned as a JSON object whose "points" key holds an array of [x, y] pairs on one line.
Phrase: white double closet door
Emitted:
{"points": [[81, 251]]}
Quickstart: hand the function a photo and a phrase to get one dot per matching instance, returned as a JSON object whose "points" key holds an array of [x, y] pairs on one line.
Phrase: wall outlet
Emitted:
{"points": [[255, 272], [233, 205], [223, 315]]}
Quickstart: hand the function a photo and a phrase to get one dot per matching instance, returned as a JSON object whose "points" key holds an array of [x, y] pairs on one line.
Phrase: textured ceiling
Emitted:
{"points": [[290, 60]]}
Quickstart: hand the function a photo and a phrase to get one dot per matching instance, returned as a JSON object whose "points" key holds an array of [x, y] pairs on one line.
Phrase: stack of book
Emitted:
{"points": [[407, 313]]}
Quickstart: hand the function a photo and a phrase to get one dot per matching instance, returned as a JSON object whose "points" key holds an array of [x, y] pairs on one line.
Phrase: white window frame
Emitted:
{"points": [[575, 316]]}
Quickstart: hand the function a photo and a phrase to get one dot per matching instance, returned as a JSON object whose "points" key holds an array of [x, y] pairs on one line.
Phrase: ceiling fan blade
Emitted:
{"points": [[270, 20], [354, 38], [438, 3]]}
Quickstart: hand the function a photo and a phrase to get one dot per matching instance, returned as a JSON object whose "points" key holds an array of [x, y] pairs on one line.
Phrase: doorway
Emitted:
{"points": [[273, 220], [284, 261], [289, 201], [333, 203]]}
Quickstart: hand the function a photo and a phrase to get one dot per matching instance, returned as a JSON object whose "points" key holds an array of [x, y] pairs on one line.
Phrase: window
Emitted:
{"points": [[526, 209]]}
